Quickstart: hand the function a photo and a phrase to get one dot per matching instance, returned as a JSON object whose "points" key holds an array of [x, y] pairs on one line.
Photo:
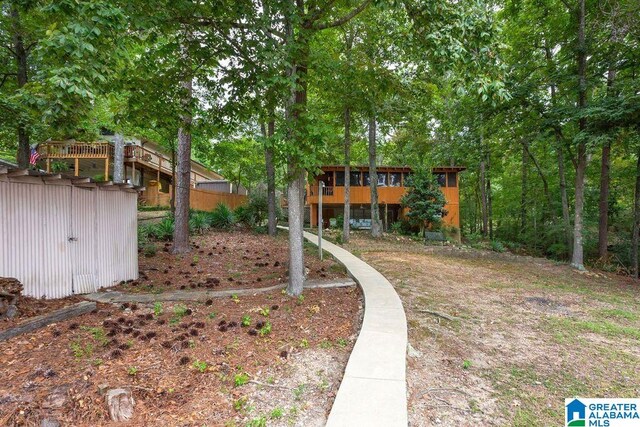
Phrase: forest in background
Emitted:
{"points": [[539, 99]]}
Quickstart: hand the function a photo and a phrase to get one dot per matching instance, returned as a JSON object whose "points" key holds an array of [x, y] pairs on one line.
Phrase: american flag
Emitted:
{"points": [[33, 158]]}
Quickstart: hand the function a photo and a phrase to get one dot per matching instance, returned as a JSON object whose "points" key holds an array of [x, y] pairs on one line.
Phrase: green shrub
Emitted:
{"points": [[163, 230], [339, 221], [255, 213], [150, 249], [497, 246], [221, 217], [199, 222]]}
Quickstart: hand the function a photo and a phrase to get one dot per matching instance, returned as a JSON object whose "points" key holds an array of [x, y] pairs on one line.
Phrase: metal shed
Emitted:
{"points": [[63, 235]]}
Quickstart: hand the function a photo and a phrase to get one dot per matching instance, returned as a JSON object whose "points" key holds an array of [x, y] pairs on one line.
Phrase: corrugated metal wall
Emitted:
{"points": [[36, 223]]}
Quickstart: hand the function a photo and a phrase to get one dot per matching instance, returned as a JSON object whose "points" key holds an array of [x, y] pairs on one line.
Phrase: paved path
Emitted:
{"points": [[373, 391], [180, 295]]}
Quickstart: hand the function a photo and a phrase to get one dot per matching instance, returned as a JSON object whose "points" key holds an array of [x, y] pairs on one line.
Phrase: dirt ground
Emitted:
{"points": [[526, 333], [265, 359]]}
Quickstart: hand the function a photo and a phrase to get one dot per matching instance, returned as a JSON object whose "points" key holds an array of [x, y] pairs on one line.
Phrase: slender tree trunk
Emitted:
{"points": [[296, 190], [346, 225], [376, 226], [566, 216], [172, 203], [603, 220], [183, 184], [483, 199], [118, 159], [489, 197], [605, 178], [577, 261], [545, 184], [271, 177], [21, 54], [525, 183], [636, 224]]}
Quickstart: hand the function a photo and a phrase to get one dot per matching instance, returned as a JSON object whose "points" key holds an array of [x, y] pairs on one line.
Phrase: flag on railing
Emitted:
{"points": [[33, 158]]}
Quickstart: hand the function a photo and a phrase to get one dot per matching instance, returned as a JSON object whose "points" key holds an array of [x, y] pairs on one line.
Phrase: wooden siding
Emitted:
{"points": [[203, 200]]}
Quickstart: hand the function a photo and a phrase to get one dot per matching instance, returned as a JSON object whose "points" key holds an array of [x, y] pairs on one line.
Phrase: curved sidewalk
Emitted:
{"points": [[373, 391]]}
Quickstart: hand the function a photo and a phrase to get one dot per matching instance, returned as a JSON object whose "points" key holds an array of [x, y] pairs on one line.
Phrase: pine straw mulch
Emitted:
{"points": [[222, 260], [57, 371]]}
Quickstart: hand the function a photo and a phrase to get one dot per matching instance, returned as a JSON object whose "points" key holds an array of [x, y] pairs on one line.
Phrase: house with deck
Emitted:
{"points": [[146, 164], [391, 187]]}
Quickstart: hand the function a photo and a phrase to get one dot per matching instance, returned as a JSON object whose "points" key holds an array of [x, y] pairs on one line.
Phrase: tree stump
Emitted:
{"points": [[120, 403], [10, 291]]}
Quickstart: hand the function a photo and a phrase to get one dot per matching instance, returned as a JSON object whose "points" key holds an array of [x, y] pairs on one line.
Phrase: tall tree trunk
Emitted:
{"points": [[577, 260], [636, 224], [20, 53], [605, 178], [376, 226], [564, 198], [603, 220], [172, 202], [545, 184], [271, 176], [483, 199], [118, 159], [296, 190], [183, 184], [346, 225], [489, 196], [523, 192]]}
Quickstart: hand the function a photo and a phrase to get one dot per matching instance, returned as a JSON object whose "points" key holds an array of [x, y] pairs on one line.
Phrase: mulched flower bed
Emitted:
{"points": [[185, 363], [57, 371], [226, 260]]}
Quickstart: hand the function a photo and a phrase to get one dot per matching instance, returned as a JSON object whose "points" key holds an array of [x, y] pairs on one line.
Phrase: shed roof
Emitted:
{"points": [[31, 176]]}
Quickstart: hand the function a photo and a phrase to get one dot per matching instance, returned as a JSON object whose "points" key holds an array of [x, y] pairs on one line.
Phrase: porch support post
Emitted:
{"points": [[77, 167]]}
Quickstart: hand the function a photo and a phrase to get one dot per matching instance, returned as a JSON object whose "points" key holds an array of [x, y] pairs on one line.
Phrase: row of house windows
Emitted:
{"points": [[385, 179]]}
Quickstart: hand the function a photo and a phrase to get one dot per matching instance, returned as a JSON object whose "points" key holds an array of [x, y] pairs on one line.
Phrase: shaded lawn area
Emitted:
{"points": [[528, 333]]}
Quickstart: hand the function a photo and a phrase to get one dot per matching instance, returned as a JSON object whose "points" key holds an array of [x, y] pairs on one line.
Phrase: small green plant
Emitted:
{"points": [[192, 344], [276, 413], [80, 351], [497, 246], [157, 308], [150, 249], [304, 343], [132, 371], [325, 344], [299, 391], [300, 299], [130, 343], [271, 380], [257, 422], [97, 333], [234, 298], [264, 311], [97, 362], [196, 259], [200, 365], [265, 330], [246, 320], [342, 342], [240, 403], [212, 315], [180, 310], [240, 379], [466, 364]]}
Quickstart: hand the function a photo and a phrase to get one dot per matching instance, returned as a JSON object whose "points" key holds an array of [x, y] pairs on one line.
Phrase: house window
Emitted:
{"points": [[354, 179], [366, 179], [382, 179], [339, 178], [395, 179], [441, 178], [451, 179]]}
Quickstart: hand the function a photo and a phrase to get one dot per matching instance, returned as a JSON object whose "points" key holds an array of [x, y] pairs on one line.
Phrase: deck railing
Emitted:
{"points": [[75, 150]]}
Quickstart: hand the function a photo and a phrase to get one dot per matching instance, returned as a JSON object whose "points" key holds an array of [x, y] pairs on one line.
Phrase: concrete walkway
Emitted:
{"points": [[373, 391]]}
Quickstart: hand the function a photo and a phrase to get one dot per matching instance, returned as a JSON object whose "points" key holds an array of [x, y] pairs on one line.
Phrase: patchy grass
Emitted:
{"points": [[530, 333]]}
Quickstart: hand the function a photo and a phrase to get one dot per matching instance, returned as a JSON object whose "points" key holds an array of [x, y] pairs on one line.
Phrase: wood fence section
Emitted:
{"points": [[202, 200]]}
